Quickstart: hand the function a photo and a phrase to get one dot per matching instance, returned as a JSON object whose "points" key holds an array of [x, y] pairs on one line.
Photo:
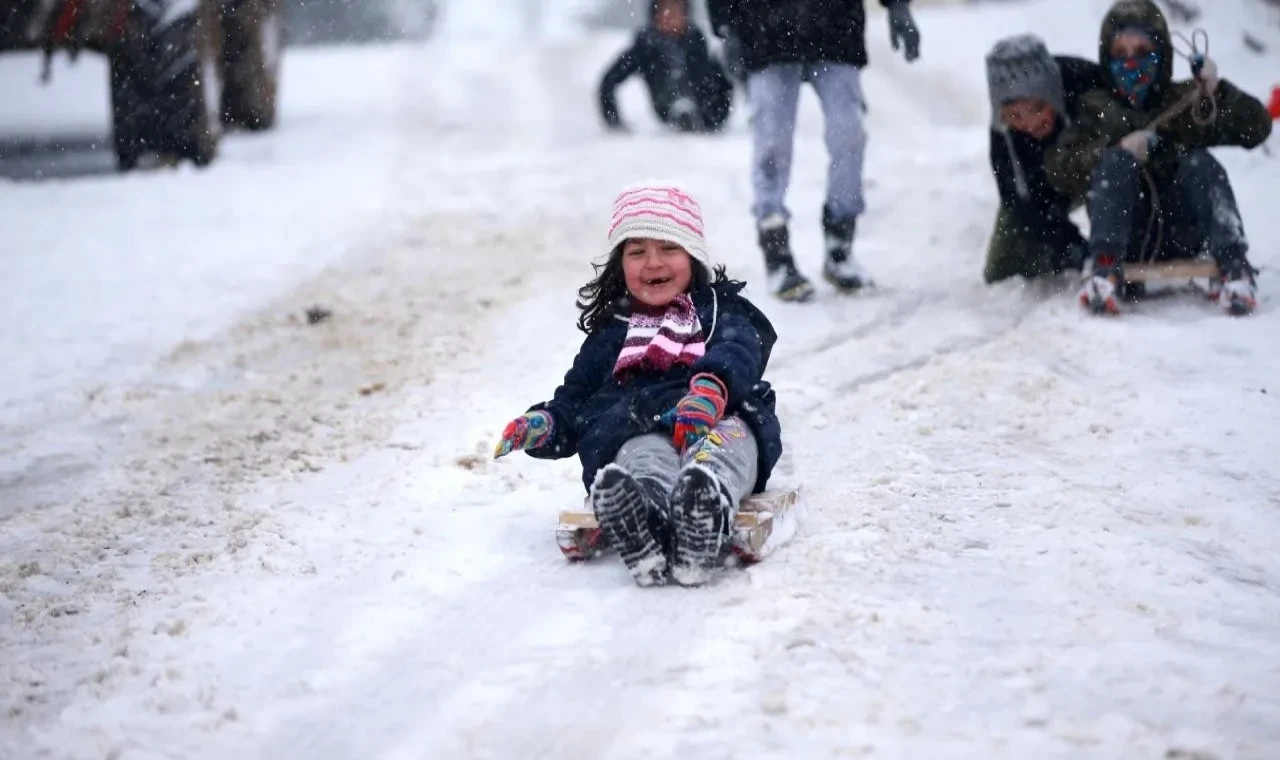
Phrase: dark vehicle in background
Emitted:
{"points": [[179, 69]]}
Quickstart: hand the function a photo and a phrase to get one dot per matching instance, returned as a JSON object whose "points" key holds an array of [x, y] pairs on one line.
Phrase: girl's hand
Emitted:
{"points": [[528, 431], [698, 412]]}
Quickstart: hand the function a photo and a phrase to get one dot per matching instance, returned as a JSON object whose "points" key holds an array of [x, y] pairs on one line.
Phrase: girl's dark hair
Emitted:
{"points": [[606, 296]]}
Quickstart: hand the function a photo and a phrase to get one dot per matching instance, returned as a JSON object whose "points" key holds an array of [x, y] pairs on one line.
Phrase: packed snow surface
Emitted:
{"points": [[227, 532]]}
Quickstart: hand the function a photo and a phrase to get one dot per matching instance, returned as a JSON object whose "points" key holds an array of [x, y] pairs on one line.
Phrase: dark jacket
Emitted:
{"points": [[595, 414], [794, 31], [671, 67], [1105, 116], [1034, 203]]}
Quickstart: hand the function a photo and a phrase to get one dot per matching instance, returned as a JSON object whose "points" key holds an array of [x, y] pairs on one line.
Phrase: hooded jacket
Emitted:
{"points": [[595, 414], [1105, 116]]}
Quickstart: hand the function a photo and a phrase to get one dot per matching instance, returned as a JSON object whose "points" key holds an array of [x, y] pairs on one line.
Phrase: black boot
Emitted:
{"points": [[785, 280], [633, 523], [841, 269], [702, 513]]}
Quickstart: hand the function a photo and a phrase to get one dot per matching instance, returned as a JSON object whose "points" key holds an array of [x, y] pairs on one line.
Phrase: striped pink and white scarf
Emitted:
{"points": [[660, 338]]}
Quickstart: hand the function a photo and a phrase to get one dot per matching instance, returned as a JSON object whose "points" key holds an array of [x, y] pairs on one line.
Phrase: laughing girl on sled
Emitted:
{"points": [[665, 403]]}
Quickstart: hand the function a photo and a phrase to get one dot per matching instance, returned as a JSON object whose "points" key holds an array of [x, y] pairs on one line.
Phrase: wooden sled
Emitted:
{"points": [[1177, 269], [764, 522]]}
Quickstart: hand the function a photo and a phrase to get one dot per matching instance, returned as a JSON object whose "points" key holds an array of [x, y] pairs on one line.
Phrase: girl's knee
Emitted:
{"points": [[646, 451]]}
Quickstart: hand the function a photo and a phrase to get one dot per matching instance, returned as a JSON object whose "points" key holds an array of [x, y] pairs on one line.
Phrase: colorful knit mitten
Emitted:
{"points": [[698, 412], [528, 431]]}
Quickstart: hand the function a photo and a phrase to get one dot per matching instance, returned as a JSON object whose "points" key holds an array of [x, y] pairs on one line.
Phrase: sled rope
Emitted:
{"points": [[1204, 112], [1203, 104]]}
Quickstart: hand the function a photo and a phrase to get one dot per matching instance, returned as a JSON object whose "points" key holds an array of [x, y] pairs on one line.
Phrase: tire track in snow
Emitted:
{"points": [[915, 330], [901, 308], [951, 346]]}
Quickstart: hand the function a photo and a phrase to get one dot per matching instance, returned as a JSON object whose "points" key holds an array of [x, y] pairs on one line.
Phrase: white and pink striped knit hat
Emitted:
{"points": [[662, 211]]}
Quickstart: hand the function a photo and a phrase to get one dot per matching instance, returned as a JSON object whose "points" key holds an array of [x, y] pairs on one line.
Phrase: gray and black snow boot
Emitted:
{"points": [[841, 268], [702, 513], [785, 280], [633, 521]]}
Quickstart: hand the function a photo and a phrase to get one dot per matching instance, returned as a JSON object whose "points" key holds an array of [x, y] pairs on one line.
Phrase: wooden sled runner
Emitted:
{"points": [[764, 522]]}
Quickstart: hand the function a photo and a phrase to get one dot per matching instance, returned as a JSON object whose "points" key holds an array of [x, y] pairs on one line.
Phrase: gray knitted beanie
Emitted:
{"points": [[1021, 67]]}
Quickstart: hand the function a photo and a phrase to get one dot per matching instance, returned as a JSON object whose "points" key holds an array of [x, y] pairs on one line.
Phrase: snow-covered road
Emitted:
{"points": [[227, 533]]}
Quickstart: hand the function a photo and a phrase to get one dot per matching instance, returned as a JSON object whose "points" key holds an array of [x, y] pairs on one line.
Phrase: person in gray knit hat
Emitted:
{"points": [[1034, 96], [1022, 69]]}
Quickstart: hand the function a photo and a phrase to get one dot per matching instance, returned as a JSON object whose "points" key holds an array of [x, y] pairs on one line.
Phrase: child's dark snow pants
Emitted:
{"points": [[1195, 212]]}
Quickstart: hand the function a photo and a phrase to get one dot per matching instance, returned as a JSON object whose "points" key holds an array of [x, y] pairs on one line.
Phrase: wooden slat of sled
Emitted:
{"points": [[754, 511], [1184, 269], [579, 519]]}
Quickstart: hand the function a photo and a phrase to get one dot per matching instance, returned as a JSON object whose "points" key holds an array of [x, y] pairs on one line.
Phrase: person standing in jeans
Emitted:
{"points": [[784, 43]]}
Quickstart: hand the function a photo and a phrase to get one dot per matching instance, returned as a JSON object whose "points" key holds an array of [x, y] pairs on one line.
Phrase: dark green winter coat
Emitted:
{"points": [[1105, 116]]}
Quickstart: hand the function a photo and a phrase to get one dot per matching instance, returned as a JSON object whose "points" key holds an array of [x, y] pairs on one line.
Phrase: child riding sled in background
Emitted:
{"points": [[664, 403], [1140, 149]]}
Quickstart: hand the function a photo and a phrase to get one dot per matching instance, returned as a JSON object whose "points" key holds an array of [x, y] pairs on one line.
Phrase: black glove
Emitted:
{"points": [[903, 31]]}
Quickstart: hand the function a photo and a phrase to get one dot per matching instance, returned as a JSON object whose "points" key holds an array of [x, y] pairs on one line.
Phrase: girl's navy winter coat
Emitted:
{"points": [[595, 414]]}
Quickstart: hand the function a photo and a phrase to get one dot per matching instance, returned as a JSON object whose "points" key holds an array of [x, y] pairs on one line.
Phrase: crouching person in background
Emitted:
{"points": [[1034, 95], [689, 89]]}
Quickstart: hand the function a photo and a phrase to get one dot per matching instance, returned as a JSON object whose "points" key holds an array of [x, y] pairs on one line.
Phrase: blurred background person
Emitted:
{"points": [[689, 89]]}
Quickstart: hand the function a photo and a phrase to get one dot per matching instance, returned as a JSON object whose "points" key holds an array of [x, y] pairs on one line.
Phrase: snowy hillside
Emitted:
{"points": [[225, 532]]}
